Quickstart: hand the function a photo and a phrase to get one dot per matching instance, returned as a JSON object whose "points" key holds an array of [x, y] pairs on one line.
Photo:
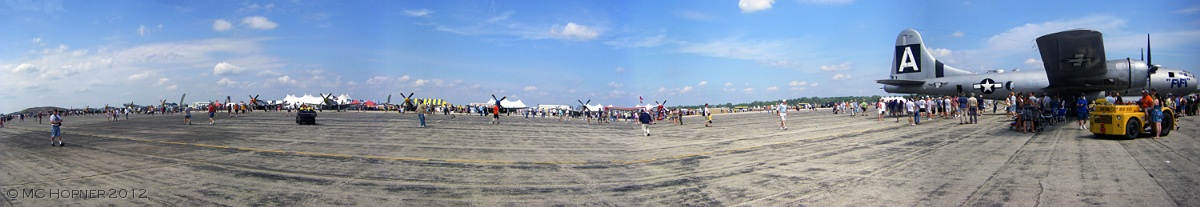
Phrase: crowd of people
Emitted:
{"points": [[1026, 111]]}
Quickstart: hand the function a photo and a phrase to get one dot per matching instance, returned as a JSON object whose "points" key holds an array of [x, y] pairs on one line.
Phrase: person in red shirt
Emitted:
{"points": [[212, 111], [496, 109]]}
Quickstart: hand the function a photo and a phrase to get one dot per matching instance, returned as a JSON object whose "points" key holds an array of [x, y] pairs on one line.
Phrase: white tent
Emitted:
{"points": [[509, 104], [306, 99], [343, 99]]}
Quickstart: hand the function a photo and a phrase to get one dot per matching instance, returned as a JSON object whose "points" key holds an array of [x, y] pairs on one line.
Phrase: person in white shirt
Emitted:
{"points": [[55, 130], [911, 108], [882, 108], [783, 115]]}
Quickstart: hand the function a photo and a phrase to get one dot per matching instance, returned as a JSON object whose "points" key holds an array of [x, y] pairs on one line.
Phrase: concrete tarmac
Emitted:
{"points": [[383, 159]]}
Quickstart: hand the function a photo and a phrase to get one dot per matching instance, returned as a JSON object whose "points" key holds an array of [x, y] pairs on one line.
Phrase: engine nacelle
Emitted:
{"points": [[1123, 74]]}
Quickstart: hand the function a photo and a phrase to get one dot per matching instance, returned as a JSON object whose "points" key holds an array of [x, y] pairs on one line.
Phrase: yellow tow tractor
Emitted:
{"points": [[1127, 121]]}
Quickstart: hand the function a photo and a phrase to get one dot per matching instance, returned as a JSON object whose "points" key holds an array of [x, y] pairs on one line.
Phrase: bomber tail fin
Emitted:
{"points": [[912, 62]]}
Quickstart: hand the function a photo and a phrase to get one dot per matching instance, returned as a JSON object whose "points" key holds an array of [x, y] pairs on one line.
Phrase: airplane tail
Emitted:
{"points": [[912, 62]]}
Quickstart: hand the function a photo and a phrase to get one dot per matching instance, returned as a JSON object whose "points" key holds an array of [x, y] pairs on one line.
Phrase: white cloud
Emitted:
{"points": [[620, 69], [777, 53], [750, 6], [162, 81], [173, 87], [139, 76], [843, 66], [798, 83], [418, 13], [941, 52], [221, 25], [225, 68], [685, 89], [773, 88], [813, 84], [1020, 39], [840, 76], [420, 82], [629, 42], [575, 32], [404, 78], [256, 7], [728, 84], [662, 89], [143, 30], [226, 82], [268, 73], [25, 67], [1189, 10], [702, 83], [614, 84], [501, 17], [748, 90], [378, 80], [259, 22], [90, 71], [285, 79], [957, 34], [1034, 63], [530, 88]]}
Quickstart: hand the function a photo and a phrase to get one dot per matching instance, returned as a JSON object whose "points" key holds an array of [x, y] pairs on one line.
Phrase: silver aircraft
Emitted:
{"points": [[1074, 62]]}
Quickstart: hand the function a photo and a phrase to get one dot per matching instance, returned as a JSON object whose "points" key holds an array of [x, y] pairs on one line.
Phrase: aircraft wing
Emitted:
{"points": [[898, 82], [1071, 57]]}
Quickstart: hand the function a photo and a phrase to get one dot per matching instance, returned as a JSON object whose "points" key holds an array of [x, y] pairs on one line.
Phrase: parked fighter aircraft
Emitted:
{"points": [[1074, 62], [408, 102]]}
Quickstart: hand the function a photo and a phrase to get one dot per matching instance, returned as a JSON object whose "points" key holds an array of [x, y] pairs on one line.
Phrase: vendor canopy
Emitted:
{"points": [[518, 104]]}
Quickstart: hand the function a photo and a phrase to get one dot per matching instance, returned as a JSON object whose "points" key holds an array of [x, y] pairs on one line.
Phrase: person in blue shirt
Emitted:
{"points": [[1081, 110]]}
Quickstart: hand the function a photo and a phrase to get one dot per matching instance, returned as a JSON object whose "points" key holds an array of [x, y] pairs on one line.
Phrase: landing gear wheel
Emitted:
{"points": [[1133, 128], [1168, 123]]}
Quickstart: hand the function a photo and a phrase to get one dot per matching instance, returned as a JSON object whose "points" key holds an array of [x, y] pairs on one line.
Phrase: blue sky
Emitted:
{"points": [[79, 53]]}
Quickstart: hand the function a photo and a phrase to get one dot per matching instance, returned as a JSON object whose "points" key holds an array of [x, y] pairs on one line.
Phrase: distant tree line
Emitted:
{"points": [[816, 101]]}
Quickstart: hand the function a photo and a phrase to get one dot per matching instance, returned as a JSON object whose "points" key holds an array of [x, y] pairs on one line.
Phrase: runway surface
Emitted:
{"points": [[383, 159]]}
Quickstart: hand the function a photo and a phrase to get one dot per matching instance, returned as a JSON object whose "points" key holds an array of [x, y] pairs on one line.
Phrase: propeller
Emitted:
{"points": [[584, 105], [253, 100], [408, 100], [1150, 57], [327, 99]]}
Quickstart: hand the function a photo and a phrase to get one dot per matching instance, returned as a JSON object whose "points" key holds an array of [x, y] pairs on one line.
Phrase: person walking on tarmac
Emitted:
{"points": [[55, 128], [644, 117], [1081, 110], [421, 110], [783, 115], [707, 114], [212, 111]]}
